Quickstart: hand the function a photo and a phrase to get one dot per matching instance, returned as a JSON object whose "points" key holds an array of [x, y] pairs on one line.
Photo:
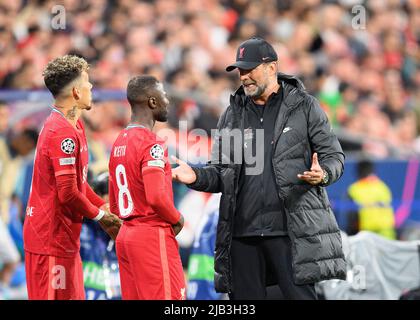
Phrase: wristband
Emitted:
{"points": [[99, 216]]}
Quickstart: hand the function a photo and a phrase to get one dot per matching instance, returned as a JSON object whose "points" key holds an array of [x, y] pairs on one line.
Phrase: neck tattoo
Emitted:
{"points": [[71, 114]]}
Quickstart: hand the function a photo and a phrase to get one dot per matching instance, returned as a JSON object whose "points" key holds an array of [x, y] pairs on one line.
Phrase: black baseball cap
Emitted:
{"points": [[251, 53]]}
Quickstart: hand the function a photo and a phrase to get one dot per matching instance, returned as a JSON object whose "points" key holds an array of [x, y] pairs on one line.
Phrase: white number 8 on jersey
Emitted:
{"points": [[123, 189]]}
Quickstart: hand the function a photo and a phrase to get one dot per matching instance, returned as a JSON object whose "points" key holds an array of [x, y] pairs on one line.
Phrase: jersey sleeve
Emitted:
{"points": [[158, 197], [153, 156], [69, 195], [63, 151], [152, 168], [113, 205]]}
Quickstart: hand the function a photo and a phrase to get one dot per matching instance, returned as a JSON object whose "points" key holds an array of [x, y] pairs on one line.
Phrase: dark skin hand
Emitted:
{"points": [[316, 174], [110, 222], [178, 226]]}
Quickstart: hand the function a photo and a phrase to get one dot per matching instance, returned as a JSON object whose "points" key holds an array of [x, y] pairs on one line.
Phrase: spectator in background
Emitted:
{"points": [[317, 40], [97, 250], [5, 159], [98, 151], [374, 201], [25, 145], [201, 259], [9, 259]]}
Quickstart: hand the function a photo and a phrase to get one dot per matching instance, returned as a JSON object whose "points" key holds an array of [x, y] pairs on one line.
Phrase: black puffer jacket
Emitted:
{"points": [[316, 242]]}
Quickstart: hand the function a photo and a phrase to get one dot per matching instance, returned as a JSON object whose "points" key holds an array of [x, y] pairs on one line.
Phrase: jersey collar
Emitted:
{"points": [[133, 125], [54, 109]]}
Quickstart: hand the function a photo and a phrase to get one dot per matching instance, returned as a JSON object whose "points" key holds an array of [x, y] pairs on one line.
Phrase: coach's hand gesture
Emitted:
{"points": [[183, 173], [316, 174]]}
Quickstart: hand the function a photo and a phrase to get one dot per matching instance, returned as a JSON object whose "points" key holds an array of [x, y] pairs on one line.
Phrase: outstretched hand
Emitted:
{"points": [[183, 173], [316, 174]]}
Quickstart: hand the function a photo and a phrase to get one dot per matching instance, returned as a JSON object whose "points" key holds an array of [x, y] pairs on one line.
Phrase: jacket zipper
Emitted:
{"points": [[236, 171], [262, 180], [286, 117]]}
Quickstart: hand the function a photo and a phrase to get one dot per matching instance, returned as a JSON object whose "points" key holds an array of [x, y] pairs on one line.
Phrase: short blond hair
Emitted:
{"points": [[62, 71]]}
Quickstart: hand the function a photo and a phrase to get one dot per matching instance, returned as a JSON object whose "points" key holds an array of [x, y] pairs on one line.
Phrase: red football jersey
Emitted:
{"points": [[135, 150], [51, 228]]}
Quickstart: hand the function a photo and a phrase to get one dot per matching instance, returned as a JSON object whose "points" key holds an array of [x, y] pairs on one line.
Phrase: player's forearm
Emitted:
{"points": [[162, 205], [113, 204], [157, 196], [70, 196], [93, 197]]}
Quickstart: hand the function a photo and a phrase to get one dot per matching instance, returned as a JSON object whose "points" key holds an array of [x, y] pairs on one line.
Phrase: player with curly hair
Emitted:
{"points": [[60, 195]]}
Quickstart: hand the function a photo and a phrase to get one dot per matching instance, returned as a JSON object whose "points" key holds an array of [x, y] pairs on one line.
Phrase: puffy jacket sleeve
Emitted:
{"points": [[209, 177], [324, 141]]}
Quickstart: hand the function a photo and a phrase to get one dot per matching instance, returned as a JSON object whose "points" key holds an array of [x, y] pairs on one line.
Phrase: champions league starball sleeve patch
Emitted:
{"points": [[68, 145], [157, 152]]}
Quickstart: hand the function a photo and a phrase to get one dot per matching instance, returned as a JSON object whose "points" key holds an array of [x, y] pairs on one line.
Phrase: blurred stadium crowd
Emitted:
{"points": [[365, 73], [366, 76]]}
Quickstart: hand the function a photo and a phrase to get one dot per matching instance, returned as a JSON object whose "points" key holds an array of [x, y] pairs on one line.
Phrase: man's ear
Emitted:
{"points": [[274, 67], [152, 102], [76, 93]]}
